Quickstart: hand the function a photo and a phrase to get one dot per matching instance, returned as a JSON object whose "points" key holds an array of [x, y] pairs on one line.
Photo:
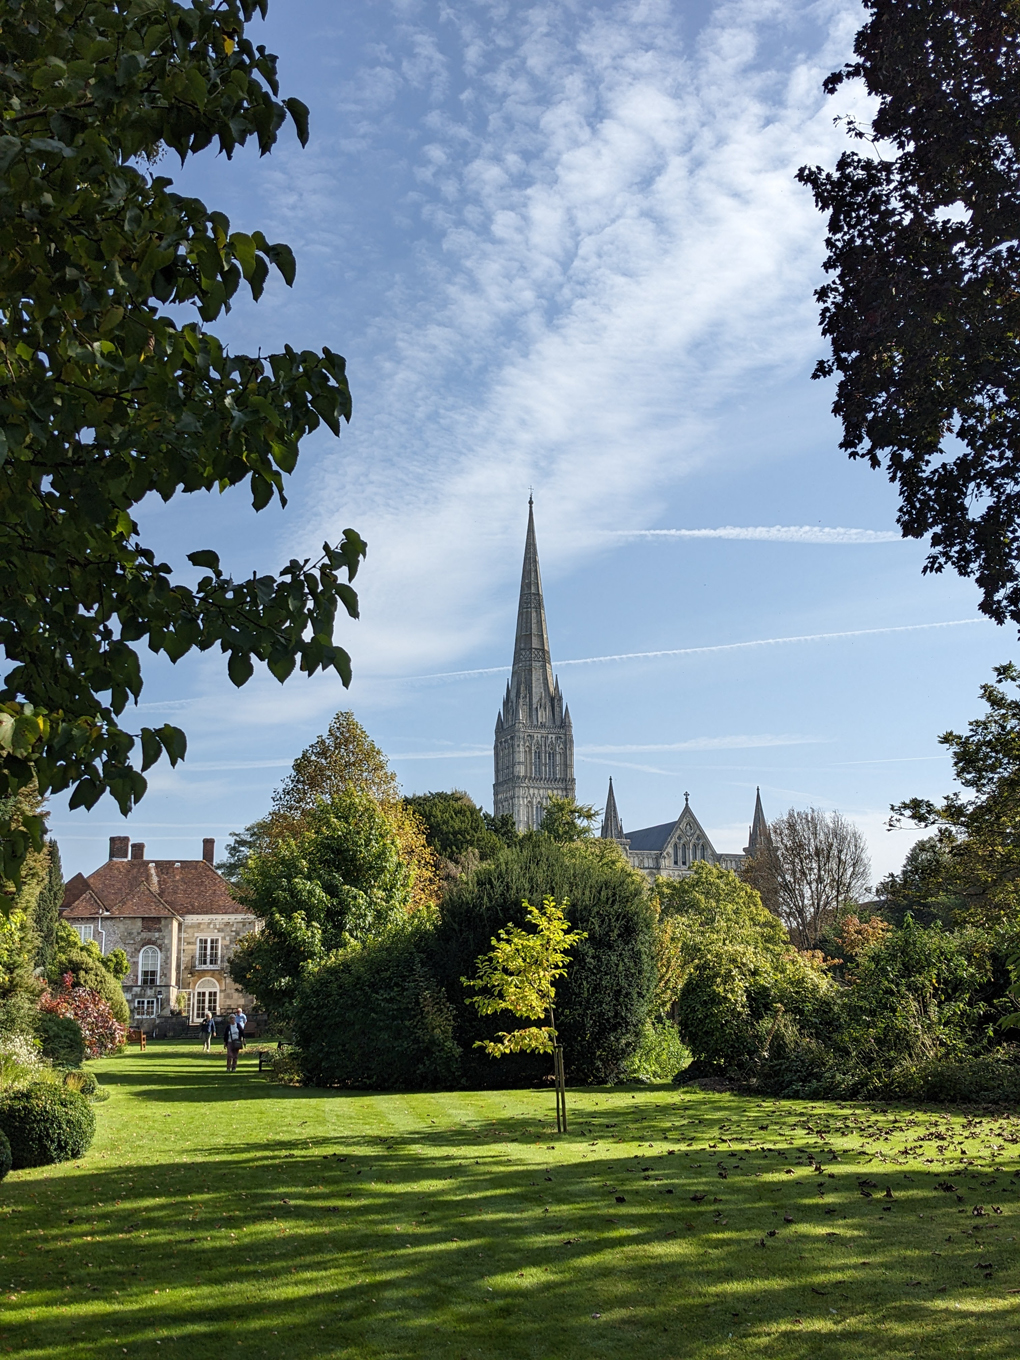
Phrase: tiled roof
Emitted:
{"points": [[651, 837], [190, 887], [86, 904], [142, 901]]}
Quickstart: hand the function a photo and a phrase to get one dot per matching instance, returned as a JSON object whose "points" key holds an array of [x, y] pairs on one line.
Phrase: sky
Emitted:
{"points": [[562, 247]]}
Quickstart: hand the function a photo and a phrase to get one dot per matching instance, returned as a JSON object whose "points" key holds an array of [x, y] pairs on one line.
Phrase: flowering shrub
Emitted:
{"points": [[91, 1012]]}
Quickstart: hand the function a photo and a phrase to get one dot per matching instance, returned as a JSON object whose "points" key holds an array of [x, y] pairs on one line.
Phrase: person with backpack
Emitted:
{"points": [[207, 1029], [233, 1041]]}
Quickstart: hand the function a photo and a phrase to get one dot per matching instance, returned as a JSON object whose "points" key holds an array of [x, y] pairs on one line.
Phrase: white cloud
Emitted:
{"points": [[776, 533], [610, 241]]}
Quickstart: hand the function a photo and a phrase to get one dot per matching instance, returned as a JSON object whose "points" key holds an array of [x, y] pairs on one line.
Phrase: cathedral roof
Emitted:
{"points": [[651, 837]]}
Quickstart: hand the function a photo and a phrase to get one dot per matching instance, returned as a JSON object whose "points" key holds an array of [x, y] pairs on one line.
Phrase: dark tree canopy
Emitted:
{"points": [[922, 309], [980, 827], [454, 825], [105, 398]]}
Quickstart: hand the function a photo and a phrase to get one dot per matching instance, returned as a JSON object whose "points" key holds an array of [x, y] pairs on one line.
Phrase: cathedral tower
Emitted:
{"points": [[534, 748]]}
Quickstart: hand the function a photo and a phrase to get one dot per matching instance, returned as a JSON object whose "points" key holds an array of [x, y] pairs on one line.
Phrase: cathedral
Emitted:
{"points": [[533, 754]]}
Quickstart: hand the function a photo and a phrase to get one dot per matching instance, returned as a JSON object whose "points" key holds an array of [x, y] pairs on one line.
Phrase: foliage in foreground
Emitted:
{"points": [[520, 974], [920, 306], [109, 398], [46, 1123]]}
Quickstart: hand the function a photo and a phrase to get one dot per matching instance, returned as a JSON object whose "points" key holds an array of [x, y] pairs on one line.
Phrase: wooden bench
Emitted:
{"points": [[137, 1036]]}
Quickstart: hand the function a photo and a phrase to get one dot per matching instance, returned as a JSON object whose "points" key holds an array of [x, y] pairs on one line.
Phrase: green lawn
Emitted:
{"points": [[220, 1215]]}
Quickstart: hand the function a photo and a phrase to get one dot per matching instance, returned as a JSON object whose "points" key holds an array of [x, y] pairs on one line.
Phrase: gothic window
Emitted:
{"points": [[676, 853], [683, 853], [551, 759], [148, 966], [537, 764]]}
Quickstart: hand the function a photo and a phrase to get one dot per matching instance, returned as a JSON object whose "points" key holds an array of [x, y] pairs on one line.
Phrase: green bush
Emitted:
{"points": [[603, 1001], [61, 1039], [6, 1160], [660, 1054], [84, 1082], [46, 1123], [740, 974], [373, 1016], [89, 967]]}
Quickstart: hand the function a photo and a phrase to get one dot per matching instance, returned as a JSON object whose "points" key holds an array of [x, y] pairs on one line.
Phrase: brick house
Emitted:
{"points": [[175, 919]]}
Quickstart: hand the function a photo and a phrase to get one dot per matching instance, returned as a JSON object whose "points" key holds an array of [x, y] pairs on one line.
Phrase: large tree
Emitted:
{"points": [[980, 825], [818, 865], [109, 394], [922, 309]]}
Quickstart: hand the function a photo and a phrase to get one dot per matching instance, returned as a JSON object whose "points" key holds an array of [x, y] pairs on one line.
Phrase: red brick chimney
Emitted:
{"points": [[209, 849], [138, 850], [119, 847]]}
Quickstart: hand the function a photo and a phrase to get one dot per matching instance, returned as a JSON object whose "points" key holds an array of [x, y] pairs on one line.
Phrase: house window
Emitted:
{"points": [[84, 933], [206, 999], [148, 966], [208, 951], [145, 1005]]}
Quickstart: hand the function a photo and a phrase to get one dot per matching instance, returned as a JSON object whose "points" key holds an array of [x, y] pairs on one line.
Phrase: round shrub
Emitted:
{"points": [[83, 1081], [61, 1038], [5, 1156], [46, 1123]]}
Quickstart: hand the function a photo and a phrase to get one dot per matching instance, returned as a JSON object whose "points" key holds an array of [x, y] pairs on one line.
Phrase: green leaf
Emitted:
{"points": [[240, 668], [299, 112], [205, 557], [244, 250]]}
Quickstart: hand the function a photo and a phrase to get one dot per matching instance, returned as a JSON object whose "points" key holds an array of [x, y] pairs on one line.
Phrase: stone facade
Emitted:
{"points": [[672, 849], [533, 753], [175, 919]]}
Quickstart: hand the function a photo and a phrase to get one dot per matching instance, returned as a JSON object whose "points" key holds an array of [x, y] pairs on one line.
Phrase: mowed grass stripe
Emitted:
{"points": [[217, 1210]]}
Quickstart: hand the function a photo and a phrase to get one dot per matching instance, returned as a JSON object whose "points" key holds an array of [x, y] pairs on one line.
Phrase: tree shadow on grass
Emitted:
{"points": [[404, 1251]]}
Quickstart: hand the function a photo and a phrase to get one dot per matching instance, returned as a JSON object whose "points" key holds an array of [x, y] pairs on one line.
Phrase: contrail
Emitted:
{"points": [[776, 533], [698, 651]]}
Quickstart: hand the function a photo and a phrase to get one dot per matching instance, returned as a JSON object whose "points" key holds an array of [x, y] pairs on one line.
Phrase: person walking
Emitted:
{"points": [[207, 1029], [233, 1040], [242, 1021]]}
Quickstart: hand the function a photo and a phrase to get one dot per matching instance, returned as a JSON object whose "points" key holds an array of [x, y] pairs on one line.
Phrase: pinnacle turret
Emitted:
{"points": [[612, 827]]}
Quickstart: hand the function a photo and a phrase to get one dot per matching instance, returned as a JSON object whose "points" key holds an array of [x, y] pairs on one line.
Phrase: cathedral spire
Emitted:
{"points": [[612, 827], [534, 748], [532, 677]]}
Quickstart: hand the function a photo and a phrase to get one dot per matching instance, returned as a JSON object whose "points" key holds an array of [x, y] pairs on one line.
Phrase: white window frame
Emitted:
{"points": [[213, 946], [142, 970], [205, 989], [85, 933]]}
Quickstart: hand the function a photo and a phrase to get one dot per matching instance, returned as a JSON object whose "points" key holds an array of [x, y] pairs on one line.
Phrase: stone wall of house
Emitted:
{"points": [[228, 930]]}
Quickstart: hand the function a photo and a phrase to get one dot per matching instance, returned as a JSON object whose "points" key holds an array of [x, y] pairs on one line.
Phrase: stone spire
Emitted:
{"points": [[534, 747], [612, 827], [758, 833], [531, 679]]}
